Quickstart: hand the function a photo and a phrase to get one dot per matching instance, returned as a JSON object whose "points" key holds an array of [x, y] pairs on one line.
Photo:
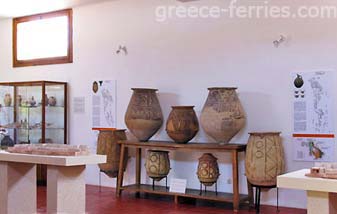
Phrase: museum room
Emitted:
{"points": [[168, 106]]}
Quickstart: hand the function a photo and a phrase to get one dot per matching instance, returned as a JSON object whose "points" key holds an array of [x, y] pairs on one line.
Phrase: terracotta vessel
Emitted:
{"points": [[144, 116], [19, 100], [264, 158], [7, 100], [157, 164], [7, 142], [182, 124], [52, 101], [208, 169], [107, 145], [222, 116]]}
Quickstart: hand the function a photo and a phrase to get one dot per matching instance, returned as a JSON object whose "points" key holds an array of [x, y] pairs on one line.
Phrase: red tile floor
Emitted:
{"points": [[105, 202]]}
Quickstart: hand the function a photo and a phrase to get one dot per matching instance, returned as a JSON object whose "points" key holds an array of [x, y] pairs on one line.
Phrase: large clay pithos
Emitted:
{"points": [[222, 116], [208, 169], [264, 158], [182, 124], [107, 145], [157, 164], [144, 116]]}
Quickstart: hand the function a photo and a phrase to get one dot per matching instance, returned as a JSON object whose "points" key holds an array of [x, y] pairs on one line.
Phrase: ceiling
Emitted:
{"points": [[16, 8]]}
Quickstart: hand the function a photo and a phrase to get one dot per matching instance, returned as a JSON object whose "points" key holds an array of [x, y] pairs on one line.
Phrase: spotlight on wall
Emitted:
{"points": [[122, 48], [279, 41]]}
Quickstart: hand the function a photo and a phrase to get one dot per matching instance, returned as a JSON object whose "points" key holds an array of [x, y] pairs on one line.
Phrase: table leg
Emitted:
{"points": [[235, 176], [120, 171], [65, 189], [18, 188], [321, 202], [138, 167]]}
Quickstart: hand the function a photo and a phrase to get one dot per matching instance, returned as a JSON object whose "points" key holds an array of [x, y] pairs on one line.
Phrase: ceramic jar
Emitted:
{"points": [[264, 158], [52, 101], [7, 100], [7, 142], [157, 164], [144, 116], [208, 169], [182, 124], [107, 145], [222, 116]]}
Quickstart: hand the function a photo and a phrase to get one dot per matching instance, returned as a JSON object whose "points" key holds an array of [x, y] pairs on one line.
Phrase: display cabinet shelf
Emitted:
{"points": [[236, 198]]}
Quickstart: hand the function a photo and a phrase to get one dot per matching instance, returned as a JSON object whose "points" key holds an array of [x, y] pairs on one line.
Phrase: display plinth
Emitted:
{"points": [[321, 192], [65, 183]]}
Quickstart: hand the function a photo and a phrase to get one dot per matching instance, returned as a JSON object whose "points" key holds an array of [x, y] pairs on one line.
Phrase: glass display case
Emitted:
{"points": [[33, 112]]}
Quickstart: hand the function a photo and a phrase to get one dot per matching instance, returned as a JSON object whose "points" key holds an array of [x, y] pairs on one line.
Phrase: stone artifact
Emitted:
{"points": [[157, 164], [323, 170], [264, 158], [50, 149], [208, 169], [107, 145], [222, 116], [52, 101], [182, 124], [7, 100], [144, 116]]}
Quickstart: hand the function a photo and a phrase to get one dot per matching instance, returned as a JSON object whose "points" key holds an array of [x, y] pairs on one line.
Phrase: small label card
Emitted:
{"points": [[178, 185]]}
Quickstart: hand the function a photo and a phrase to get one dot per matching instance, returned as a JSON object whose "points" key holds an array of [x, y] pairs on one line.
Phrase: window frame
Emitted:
{"points": [[48, 60]]}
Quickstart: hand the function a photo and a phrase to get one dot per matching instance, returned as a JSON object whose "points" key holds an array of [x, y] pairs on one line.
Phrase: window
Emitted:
{"points": [[43, 39]]}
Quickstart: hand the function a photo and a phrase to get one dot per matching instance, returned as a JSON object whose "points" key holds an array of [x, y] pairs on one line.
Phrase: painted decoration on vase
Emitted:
{"points": [[222, 116], [208, 169], [144, 116], [157, 164], [264, 158], [182, 124]]}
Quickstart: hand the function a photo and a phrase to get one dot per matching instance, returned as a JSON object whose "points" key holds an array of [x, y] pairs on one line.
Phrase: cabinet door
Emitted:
{"points": [[28, 115], [7, 125], [55, 113]]}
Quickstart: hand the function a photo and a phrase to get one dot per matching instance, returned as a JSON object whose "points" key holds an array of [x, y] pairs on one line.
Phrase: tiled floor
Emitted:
{"points": [[105, 202]]}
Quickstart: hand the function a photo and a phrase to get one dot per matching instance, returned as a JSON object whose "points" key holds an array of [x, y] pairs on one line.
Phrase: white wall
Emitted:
{"points": [[182, 57]]}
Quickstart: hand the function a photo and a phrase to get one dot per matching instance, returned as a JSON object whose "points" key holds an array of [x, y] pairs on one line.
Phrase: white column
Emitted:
{"points": [[321, 202], [66, 189], [17, 187]]}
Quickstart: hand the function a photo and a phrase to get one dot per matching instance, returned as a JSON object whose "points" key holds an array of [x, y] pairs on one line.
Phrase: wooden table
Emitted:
{"points": [[65, 182], [321, 192], [234, 149]]}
